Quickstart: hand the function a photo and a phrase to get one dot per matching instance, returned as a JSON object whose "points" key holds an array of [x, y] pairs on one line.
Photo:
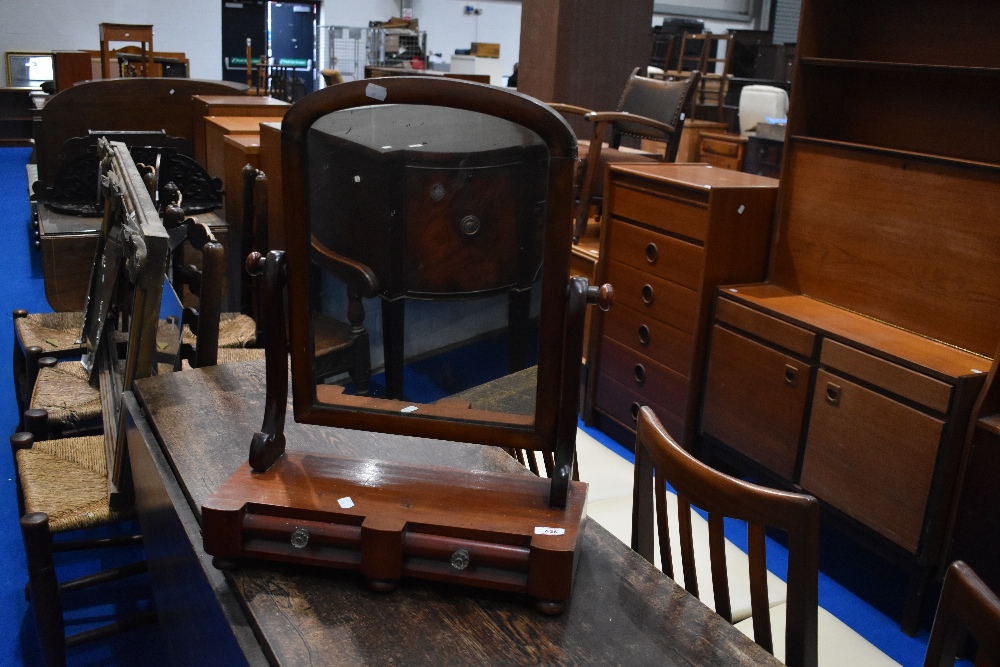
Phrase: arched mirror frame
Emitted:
{"points": [[492, 101]]}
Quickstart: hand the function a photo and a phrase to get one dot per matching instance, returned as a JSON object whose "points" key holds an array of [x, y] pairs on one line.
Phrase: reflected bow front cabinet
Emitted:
{"points": [[853, 371], [672, 233]]}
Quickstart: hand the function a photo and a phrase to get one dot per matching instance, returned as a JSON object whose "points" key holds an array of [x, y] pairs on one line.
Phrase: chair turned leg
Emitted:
{"points": [[19, 441], [36, 422], [45, 600]]}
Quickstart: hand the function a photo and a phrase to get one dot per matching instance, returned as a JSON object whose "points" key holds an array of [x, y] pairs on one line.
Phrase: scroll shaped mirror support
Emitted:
{"points": [[268, 444], [578, 295]]}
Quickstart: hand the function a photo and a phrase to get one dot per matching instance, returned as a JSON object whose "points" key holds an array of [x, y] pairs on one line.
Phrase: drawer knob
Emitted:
{"points": [[639, 373], [647, 294], [470, 225], [460, 559], [300, 538], [791, 375], [832, 393], [644, 334], [652, 253], [634, 409]]}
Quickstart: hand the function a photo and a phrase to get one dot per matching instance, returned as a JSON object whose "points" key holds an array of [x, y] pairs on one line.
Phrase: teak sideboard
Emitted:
{"points": [[852, 372], [672, 233]]}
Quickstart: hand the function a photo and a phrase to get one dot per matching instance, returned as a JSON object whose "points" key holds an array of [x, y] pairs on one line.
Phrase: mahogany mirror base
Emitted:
{"points": [[389, 521]]}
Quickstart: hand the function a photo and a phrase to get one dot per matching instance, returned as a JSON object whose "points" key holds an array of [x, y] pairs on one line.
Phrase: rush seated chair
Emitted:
{"points": [[38, 335], [69, 484], [341, 346], [649, 109]]}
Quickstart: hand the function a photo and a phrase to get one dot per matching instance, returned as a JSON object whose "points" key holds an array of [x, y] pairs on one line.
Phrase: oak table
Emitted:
{"points": [[188, 431]]}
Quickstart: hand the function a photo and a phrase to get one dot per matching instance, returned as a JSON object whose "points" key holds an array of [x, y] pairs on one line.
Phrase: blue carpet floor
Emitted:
{"points": [[861, 602]]}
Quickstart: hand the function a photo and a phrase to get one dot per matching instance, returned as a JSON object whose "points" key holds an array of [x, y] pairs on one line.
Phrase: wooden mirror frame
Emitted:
{"points": [[522, 110]]}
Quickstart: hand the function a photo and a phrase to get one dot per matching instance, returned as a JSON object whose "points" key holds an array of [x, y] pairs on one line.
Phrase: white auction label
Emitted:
{"points": [[346, 502], [542, 530]]}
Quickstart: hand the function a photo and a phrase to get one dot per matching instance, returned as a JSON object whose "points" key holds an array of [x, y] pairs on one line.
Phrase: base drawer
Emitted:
{"points": [[622, 404]]}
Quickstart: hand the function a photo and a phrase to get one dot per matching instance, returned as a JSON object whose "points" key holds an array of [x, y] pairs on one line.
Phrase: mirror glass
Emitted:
{"points": [[444, 210], [28, 70], [168, 330]]}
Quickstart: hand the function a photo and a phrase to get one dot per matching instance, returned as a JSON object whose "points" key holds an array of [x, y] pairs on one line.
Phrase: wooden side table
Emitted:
{"points": [[123, 32]]}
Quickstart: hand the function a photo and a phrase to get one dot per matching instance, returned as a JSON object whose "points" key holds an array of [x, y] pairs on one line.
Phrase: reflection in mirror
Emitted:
{"points": [[168, 330], [28, 70], [439, 214]]}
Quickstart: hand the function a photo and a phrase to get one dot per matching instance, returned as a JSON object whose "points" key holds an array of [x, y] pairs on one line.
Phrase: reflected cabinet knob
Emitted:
{"points": [[469, 225]]}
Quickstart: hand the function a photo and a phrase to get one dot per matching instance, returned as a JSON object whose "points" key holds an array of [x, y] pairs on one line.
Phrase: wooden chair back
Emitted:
{"points": [[663, 101], [722, 496], [967, 606], [205, 282]]}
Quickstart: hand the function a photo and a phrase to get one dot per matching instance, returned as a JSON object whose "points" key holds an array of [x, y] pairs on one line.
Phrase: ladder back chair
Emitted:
{"points": [[722, 496], [713, 84], [69, 484]]}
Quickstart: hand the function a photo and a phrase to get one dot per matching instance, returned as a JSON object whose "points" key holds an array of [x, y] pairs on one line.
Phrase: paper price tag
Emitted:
{"points": [[542, 530], [346, 503]]}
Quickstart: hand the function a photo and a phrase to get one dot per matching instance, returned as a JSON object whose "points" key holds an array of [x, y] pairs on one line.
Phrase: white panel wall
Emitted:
{"points": [[191, 26]]}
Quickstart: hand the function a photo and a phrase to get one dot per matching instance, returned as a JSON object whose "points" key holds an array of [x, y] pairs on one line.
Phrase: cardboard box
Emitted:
{"points": [[485, 50]]}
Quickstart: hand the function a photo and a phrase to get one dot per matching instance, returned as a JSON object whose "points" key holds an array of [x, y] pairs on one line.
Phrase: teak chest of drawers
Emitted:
{"points": [[673, 232]]}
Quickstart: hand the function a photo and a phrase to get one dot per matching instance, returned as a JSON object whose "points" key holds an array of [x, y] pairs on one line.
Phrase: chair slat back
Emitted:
{"points": [[723, 496], [967, 606]]}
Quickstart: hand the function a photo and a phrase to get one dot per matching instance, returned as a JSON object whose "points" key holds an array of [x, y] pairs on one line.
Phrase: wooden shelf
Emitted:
{"points": [[950, 70], [896, 152]]}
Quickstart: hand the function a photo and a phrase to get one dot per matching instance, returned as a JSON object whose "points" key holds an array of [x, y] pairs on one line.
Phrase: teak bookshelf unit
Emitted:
{"points": [[853, 371]]}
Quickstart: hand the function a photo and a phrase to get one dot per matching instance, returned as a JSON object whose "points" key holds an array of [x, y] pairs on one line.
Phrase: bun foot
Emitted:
{"points": [[225, 564], [383, 585], [550, 607]]}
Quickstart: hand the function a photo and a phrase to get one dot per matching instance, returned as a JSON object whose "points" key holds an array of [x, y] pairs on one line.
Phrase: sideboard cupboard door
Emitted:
{"points": [[755, 400], [871, 457]]}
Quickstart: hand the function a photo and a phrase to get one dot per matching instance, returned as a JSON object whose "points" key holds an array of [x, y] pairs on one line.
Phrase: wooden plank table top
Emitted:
{"points": [[623, 610]]}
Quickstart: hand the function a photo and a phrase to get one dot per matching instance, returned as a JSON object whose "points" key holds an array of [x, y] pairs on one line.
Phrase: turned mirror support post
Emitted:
{"points": [[268, 444], [578, 295]]}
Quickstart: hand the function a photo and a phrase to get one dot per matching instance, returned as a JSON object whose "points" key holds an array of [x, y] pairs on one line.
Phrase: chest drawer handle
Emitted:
{"points": [[652, 253], [832, 393], [639, 373], [647, 294], [634, 409], [791, 375], [644, 334]]}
